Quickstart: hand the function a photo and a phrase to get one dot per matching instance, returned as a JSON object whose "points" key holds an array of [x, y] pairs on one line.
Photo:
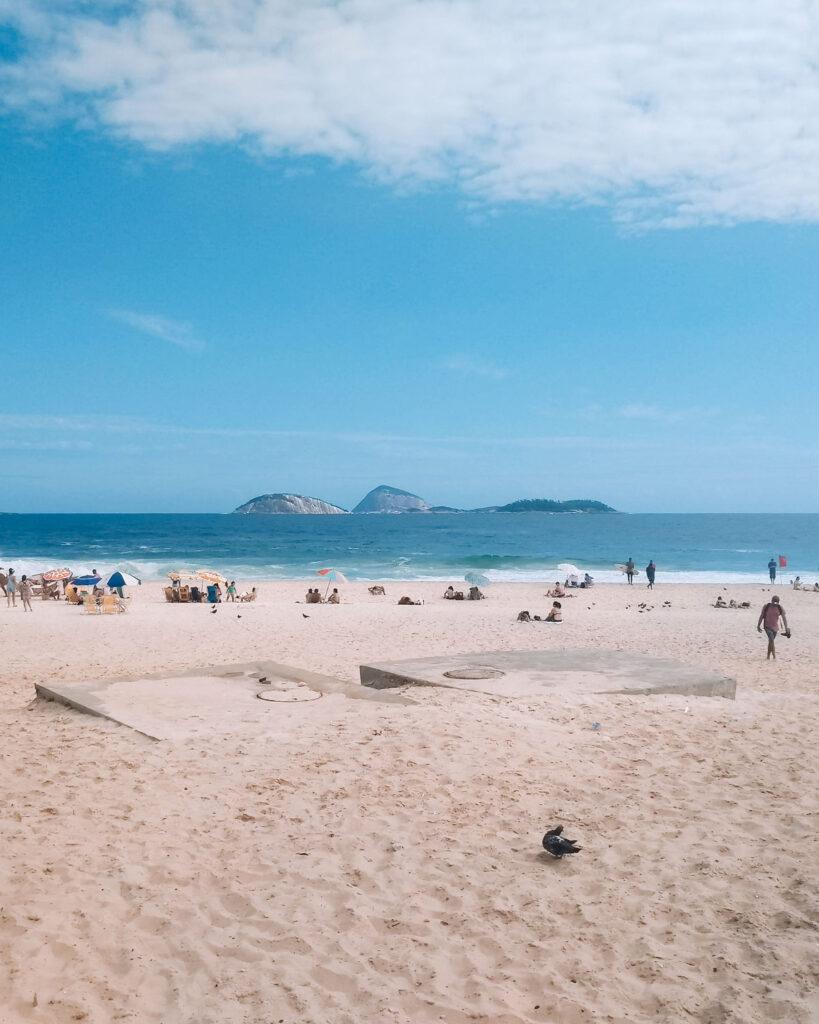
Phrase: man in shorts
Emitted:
{"points": [[770, 617]]}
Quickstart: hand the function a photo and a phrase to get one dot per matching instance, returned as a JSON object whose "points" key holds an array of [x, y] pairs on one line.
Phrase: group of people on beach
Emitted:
{"points": [[11, 588], [631, 571], [313, 596]]}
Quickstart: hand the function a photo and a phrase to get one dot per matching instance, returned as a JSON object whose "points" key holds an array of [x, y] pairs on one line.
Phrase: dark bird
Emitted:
{"points": [[304, 616], [213, 610], [556, 845], [238, 616]]}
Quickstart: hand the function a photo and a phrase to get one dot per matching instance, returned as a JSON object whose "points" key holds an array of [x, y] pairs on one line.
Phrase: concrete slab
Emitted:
{"points": [[529, 673], [206, 701]]}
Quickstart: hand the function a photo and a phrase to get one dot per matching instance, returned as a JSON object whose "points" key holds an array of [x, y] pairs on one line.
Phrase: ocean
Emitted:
{"points": [[506, 547]]}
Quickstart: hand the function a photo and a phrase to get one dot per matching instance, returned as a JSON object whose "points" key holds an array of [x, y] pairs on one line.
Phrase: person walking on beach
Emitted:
{"points": [[651, 569], [26, 593], [231, 591], [770, 616], [772, 570], [630, 570], [11, 589]]}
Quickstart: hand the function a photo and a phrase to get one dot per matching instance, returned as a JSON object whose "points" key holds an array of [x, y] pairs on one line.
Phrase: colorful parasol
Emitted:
{"points": [[210, 576], [57, 575]]}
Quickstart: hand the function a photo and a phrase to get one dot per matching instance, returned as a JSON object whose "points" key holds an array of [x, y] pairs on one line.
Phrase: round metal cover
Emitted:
{"points": [[474, 672], [289, 696]]}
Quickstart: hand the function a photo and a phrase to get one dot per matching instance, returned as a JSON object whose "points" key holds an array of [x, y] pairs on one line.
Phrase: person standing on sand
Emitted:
{"points": [[26, 593], [651, 570], [11, 589], [770, 616], [772, 570], [630, 570], [231, 591], [3, 579]]}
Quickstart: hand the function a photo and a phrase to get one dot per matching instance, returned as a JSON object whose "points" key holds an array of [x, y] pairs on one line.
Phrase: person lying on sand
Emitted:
{"points": [[407, 600], [377, 590], [720, 603], [524, 617]]}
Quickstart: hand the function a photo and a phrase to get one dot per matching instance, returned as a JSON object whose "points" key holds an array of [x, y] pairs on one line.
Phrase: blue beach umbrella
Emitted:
{"points": [[86, 581], [119, 579], [477, 579]]}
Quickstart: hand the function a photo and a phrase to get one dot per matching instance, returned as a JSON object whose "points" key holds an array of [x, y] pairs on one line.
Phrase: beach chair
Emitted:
{"points": [[185, 594], [90, 604], [110, 605], [73, 596], [169, 595]]}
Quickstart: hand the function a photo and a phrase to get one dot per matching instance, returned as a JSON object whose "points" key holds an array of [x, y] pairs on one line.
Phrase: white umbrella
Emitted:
{"points": [[568, 569]]}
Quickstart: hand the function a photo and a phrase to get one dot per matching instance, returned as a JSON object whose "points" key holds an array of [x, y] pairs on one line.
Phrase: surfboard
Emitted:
{"points": [[622, 567]]}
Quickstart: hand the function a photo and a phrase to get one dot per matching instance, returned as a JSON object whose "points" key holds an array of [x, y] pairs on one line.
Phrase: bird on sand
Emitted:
{"points": [[213, 610], [556, 845], [304, 616]]}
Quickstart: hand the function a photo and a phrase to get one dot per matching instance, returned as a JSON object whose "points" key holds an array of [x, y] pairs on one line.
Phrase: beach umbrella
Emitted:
{"points": [[477, 579], [178, 574], [86, 581], [57, 575], [569, 570], [122, 579], [332, 576], [210, 576]]}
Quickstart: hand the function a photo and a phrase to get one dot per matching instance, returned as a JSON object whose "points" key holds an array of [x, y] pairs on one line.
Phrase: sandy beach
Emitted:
{"points": [[380, 863]]}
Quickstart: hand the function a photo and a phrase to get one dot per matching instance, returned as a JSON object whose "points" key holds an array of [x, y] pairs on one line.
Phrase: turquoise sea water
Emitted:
{"points": [[522, 546]]}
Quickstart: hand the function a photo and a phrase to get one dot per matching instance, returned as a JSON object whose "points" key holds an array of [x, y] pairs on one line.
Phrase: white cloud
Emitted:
{"points": [[174, 331], [674, 112], [472, 366]]}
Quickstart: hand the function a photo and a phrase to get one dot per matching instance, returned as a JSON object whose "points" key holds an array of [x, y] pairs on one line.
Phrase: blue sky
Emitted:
{"points": [[196, 315]]}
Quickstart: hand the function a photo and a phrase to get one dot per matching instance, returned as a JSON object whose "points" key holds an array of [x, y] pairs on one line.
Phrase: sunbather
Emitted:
{"points": [[335, 597], [555, 614], [476, 595]]}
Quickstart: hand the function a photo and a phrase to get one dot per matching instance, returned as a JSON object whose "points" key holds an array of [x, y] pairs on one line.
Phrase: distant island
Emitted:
{"points": [[390, 499], [386, 500], [288, 504]]}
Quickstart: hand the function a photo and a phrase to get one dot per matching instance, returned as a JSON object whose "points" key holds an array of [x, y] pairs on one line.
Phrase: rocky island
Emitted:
{"points": [[386, 500], [391, 500], [288, 504]]}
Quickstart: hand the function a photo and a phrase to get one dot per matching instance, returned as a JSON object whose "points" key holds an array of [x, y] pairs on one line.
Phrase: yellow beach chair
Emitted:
{"points": [[90, 604], [110, 605]]}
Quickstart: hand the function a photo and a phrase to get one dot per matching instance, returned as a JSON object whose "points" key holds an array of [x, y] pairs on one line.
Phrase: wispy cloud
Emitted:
{"points": [[661, 414], [176, 332], [473, 366], [670, 112]]}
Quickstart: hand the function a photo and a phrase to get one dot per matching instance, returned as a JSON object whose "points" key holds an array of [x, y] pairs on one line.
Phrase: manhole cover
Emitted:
{"points": [[288, 696], [478, 672]]}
